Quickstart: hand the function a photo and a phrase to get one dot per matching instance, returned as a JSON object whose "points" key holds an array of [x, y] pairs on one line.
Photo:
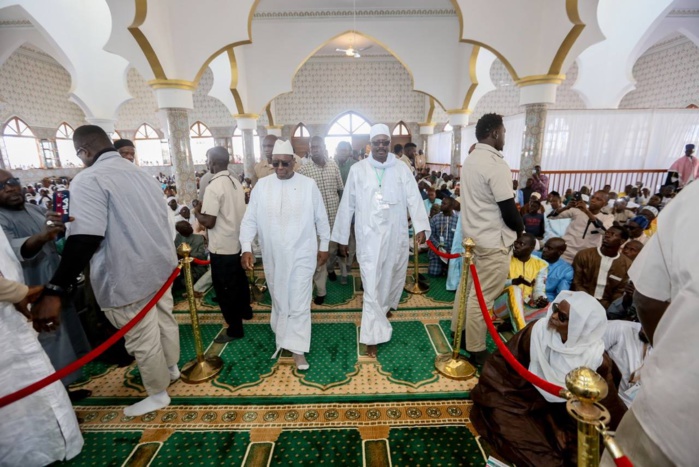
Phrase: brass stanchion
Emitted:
{"points": [[204, 367], [586, 387], [414, 285], [455, 365]]}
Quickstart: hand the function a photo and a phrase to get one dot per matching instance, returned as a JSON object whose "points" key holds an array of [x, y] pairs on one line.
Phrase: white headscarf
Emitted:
{"points": [[551, 359]]}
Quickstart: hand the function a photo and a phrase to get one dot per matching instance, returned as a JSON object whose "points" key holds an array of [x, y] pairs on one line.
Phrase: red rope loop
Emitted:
{"points": [[514, 363], [84, 360], [201, 262], [441, 253]]}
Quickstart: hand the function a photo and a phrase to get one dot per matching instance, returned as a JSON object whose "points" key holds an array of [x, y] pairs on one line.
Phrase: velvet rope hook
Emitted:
{"points": [[441, 253]]}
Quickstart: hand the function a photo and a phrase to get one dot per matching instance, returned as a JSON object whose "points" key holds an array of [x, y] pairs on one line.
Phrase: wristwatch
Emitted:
{"points": [[52, 289]]}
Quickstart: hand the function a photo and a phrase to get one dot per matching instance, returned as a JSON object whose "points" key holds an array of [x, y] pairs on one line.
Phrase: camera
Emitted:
{"points": [[577, 196]]}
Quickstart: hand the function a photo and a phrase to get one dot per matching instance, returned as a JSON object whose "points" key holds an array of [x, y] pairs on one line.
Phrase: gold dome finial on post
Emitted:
{"points": [[455, 365], [203, 367], [585, 389]]}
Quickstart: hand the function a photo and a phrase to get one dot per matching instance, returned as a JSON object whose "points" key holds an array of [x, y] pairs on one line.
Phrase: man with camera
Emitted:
{"points": [[588, 224]]}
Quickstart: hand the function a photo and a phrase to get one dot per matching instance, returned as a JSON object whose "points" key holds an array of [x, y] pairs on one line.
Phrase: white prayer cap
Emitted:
{"points": [[283, 148], [379, 129], [536, 195]]}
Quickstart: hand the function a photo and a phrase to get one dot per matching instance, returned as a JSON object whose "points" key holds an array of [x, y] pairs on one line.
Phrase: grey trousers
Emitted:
{"points": [[492, 265], [154, 341]]}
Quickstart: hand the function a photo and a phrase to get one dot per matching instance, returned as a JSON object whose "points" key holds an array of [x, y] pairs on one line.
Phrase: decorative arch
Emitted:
{"points": [[201, 140], [400, 134], [350, 127], [150, 148], [366, 36], [21, 145], [65, 148], [301, 139]]}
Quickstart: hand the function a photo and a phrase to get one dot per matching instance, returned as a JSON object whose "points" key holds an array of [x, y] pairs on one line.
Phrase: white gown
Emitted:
{"points": [[42, 427], [381, 230], [289, 217]]}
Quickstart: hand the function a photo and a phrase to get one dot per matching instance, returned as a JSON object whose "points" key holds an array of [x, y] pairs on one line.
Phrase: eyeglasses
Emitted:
{"points": [[556, 309], [10, 182], [276, 164], [385, 143]]}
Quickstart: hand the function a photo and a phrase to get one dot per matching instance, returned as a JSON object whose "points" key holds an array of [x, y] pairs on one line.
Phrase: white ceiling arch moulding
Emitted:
{"points": [[605, 69], [81, 54], [439, 66], [156, 36], [536, 41]]}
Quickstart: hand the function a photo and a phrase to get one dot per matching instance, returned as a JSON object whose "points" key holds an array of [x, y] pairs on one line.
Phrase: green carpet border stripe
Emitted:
{"points": [[282, 400]]}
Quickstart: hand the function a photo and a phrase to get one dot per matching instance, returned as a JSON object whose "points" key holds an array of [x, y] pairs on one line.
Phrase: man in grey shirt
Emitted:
{"points": [[121, 228]]}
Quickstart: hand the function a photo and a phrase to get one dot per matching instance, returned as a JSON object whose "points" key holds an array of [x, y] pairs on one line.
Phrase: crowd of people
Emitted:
{"points": [[567, 260]]}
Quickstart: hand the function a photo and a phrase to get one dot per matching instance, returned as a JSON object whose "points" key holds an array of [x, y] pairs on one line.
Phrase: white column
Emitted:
{"points": [[457, 119], [247, 123]]}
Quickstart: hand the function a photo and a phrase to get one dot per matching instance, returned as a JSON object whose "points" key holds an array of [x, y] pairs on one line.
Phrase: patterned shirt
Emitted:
{"points": [[443, 230], [329, 183]]}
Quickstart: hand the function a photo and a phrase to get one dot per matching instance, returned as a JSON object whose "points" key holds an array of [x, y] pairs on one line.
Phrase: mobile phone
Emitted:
{"points": [[61, 205]]}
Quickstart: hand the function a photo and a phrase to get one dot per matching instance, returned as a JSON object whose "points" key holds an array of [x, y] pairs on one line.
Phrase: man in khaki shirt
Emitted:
{"points": [[489, 216], [221, 213], [264, 167]]}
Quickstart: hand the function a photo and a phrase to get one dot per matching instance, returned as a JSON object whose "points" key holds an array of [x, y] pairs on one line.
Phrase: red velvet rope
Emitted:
{"points": [[623, 461], [201, 262], [441, 253], [66, 370], [514, 363]]}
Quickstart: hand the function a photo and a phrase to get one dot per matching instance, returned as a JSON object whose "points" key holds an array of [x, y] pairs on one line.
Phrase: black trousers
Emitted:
{"points": [[232, 291]]}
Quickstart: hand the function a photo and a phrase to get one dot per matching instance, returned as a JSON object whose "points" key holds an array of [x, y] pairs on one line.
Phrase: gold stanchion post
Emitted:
{"points": [[455, 365], [204, 367], [414, 285], [585, 388]]}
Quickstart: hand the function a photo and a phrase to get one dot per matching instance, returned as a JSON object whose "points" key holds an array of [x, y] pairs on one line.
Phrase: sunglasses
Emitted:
{"points": [[10, 182], [556, 310], [384, 143], [282, 163]]}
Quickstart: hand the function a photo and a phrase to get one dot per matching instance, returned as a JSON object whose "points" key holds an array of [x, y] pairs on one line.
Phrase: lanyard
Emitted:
{"points": [[379, 179]]}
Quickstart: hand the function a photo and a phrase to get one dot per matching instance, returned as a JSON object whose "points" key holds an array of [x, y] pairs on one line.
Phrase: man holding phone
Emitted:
{"points": [[588, 223], [32, 232]]}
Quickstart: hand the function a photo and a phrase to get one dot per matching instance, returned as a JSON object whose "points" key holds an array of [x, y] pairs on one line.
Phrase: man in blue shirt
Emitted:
{"points": [[560, 273]]}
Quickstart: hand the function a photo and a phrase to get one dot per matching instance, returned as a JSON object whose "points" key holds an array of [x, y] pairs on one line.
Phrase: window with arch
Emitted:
{"points": [[301, 140], [349, 127], [238, 153], [64, 145], [150, 149], [116, 136], [21, 145], [201, 141], [301, 131], [401, 130]]}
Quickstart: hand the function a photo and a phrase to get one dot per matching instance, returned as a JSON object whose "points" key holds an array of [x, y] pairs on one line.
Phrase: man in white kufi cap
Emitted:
{"points": [[379, 194], [286, 211]]}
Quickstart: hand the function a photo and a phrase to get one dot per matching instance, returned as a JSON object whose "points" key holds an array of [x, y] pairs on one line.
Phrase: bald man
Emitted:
{"points": [[129, 260], [221, 214]]}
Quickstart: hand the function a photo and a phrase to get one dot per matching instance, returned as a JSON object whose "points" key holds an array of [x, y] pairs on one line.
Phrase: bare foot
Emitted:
{"points": [[300, 361], [371, 351]]}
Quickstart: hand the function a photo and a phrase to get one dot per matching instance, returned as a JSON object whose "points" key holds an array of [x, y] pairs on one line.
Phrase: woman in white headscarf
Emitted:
{"points": [[528, 426]]}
